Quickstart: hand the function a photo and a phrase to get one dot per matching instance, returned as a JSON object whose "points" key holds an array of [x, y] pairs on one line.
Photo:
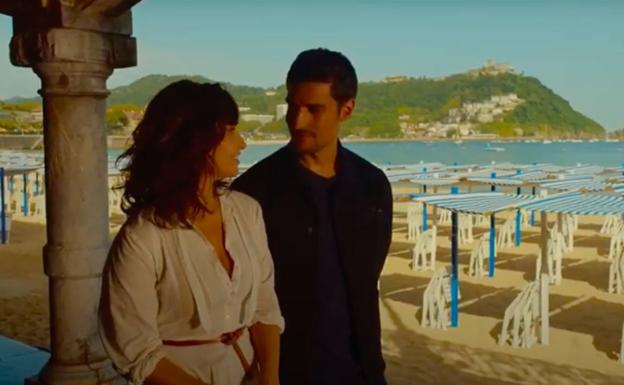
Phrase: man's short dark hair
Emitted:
{"points": [[323, 65]]}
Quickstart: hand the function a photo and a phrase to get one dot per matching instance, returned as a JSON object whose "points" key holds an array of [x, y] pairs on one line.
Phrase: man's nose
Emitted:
{"points": [[243, 144], [298, 119]]}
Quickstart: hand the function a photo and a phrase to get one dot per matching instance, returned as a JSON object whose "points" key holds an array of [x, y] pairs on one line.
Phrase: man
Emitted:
{"points": [[328, 216]]}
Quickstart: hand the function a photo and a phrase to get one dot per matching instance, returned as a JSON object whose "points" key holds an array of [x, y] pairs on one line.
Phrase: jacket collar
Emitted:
{"points": [[345, 167]]}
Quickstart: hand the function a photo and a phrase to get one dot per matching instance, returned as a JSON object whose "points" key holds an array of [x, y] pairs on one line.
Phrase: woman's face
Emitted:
{"points": [[225, 155]]}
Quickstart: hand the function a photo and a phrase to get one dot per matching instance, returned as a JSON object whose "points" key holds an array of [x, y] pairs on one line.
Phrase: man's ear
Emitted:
{"points": [[347, 109]]}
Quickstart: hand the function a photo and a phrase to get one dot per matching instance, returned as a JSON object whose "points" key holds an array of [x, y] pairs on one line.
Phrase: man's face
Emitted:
{"points": [[314, 116]]}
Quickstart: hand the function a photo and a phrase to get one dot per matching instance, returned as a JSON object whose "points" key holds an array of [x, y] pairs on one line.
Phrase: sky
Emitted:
{"points": [[575, 47]]}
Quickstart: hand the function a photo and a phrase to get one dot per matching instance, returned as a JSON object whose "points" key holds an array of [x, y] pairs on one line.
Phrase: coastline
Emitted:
{"points": [[120, 142]]}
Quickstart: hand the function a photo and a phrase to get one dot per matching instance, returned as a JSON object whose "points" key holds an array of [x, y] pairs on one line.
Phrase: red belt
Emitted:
{"points": [[230, 338]]}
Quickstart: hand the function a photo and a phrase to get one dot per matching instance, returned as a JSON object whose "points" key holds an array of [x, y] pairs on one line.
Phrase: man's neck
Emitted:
{"points": [[322, 163]]}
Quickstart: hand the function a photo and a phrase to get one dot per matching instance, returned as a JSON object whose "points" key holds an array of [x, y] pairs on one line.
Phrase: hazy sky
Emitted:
{"points": [[574, 47]]}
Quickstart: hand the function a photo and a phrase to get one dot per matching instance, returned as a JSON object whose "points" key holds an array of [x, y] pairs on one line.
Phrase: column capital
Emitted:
{"points": [[72, 78], [29, 48]]}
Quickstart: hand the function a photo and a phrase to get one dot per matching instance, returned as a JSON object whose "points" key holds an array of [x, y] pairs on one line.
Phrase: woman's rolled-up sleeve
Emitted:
{"points": [[268, 310], [129, 308]]}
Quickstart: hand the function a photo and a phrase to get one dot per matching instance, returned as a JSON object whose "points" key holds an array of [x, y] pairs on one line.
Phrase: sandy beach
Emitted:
{"points": [[586, 321]]}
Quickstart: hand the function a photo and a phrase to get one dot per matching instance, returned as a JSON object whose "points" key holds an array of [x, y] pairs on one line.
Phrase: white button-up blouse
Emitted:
{"points": [[167, 284]]}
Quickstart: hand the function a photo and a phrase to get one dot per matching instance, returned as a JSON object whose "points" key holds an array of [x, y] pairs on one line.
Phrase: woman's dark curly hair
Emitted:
{"points": [[171, 151]]}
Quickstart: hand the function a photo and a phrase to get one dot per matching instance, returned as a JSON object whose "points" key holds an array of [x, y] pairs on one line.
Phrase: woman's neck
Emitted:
{"points": [[209, 197]]}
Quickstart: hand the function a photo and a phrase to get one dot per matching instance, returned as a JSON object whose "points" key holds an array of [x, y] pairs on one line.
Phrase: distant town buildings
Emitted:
{"points": [[23, 121], [461, 121], [257, 118], [280, 111], [133, 118], [395, 79], [492, 68]]}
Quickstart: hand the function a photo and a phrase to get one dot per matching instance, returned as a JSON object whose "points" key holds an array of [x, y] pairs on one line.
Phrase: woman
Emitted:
{"points": [[188, 284]]}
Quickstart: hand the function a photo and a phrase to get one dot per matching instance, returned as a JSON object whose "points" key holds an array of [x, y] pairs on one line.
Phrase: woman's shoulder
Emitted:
{"points": [[141, 226], [242, 200]]}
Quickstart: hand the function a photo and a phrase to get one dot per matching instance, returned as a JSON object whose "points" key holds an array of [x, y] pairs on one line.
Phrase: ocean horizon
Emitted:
{"points": [[608, 154]]}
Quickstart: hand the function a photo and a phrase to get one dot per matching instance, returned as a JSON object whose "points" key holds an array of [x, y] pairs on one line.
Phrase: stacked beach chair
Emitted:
{"points": [[436, 301], [114, 202], [414, 220], [444, 217], [616, 256], [622, 347], [506, 234], [522, 318], [481, 220], [525, 219], [38, 206], [115, 194], [24, 198], [569, 224], [465, 229], [424, 252], [480, 252], [611, 225], [556, 248]]}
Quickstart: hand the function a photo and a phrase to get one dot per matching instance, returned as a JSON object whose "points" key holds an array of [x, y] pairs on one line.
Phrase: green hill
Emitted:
{"points": [[419, 102], [142, 90], [379, 104], [542, 112]]}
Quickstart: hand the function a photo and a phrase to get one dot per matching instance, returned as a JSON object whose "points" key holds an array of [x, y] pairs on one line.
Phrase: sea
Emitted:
{"points": [[609, 154], [602, 153]]}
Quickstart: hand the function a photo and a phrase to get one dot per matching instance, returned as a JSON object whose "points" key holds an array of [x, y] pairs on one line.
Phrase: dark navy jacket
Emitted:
{"points": [[362, 216]]}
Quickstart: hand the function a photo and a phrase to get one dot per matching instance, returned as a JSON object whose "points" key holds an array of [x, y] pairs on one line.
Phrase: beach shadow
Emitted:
{"points": [[600, 319], [476, 299], [590, 226], [401, 250], [443, 255], [399, 216], [403, 288], [555, 301], [413, 358], [27, 234], [424, 365], [116, 219], [598, 242], [535, 239], [485, 301], [399, 227], [524, 263], [596, 273]]}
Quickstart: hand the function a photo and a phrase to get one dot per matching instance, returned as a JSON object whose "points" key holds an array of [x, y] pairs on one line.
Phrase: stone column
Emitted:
{"points": [[74, 65], [74, 97]]}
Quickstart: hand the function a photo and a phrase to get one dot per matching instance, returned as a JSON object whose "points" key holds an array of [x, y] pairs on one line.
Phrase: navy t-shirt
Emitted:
{"points": [[334, 356]]}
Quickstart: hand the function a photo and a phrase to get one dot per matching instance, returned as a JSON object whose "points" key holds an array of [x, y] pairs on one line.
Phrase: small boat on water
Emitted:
{"points": [[546, 141], [488, 147]]}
